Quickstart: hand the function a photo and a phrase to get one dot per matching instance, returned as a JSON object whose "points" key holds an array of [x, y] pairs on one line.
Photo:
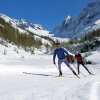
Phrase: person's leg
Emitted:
{"points": [[86, 69], [66, 62], [59, 67], [78, 65]]}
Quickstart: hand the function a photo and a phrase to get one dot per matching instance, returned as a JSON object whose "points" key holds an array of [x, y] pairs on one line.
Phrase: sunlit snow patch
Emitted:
{"points": [[94, 94]]}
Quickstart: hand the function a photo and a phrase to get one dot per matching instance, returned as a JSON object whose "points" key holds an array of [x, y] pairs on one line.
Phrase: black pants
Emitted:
{"points": [[78, 66]]}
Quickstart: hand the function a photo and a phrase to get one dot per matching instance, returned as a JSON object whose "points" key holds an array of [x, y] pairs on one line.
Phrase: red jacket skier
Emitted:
{"points": [[80, 61]]}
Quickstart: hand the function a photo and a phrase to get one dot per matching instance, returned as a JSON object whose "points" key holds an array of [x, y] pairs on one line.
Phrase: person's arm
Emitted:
{"points": [[54, 56]]}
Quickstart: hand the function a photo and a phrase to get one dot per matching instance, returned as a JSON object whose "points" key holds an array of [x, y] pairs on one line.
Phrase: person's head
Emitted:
{"points": [[57, 44]]}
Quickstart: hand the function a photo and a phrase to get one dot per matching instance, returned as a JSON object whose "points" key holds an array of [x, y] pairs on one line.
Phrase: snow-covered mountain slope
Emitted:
{"points": [[87, 21], [10, 51], [12, 22], [32, 32], [23, 26], [36, 30]]}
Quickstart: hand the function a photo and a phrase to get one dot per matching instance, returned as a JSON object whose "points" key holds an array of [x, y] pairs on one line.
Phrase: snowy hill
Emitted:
{"points": [[87, 21], [29, 78], [11, 21], [35, 30], [25, 25], [25, 34]]}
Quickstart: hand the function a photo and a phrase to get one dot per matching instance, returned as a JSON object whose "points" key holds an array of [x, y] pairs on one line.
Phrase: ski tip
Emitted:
{"points": [[92, 74]]}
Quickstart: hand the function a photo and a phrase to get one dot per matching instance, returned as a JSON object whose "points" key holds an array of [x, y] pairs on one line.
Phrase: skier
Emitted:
{"points": [[80, 61], [61, 54]]}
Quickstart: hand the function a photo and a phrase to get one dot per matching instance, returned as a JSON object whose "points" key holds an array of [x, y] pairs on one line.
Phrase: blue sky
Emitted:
{"points": [[49, 13]]}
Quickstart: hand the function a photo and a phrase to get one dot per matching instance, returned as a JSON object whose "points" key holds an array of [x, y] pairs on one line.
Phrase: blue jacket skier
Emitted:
{"points": [[62, 53]]}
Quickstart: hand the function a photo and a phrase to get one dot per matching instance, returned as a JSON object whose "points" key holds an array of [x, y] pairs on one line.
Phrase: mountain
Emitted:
{"points": [[24, 25], [27, 27], [78, 26], [25, 34]]}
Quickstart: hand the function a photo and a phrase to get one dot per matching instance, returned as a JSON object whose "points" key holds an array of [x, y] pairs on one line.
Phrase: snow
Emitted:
{"points": [[67, 19], [38, 32], [19, 29], [33, 77], [1, 26], [12, 22], [60, 39], [97, 22], [6, 18], [38, 29], [94, 56]]}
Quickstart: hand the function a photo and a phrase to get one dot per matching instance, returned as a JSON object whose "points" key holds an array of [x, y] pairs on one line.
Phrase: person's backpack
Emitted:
{"points": [[70, 58], [79, 57]]}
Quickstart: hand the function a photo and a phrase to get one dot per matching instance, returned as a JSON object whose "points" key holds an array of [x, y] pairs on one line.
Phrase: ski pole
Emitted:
{"points": [[80, 71]]}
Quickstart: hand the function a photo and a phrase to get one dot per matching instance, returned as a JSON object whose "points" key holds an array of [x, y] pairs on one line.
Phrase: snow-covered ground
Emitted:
{"points": [[33, 77]]}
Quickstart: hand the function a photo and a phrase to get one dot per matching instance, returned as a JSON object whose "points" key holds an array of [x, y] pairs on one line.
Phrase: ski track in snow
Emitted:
{"points": [[39, 81]]}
